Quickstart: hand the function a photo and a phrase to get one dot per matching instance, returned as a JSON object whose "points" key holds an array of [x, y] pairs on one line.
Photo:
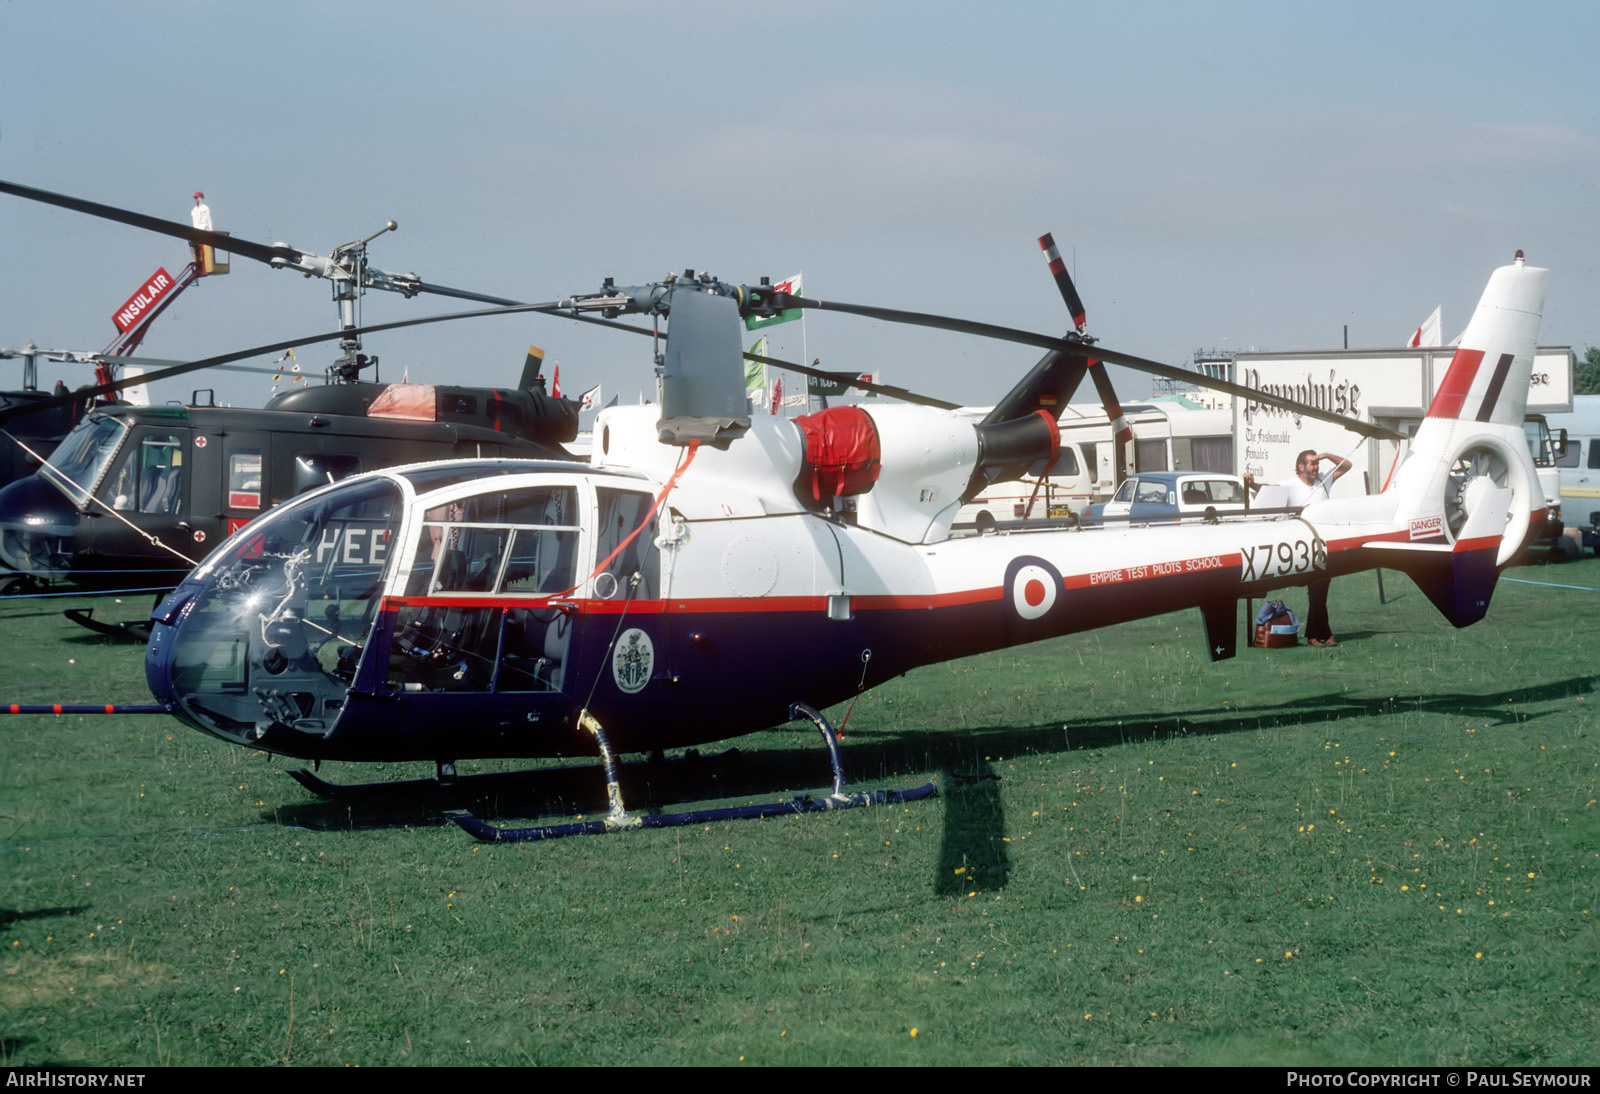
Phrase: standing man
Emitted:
{"points": [[1308, 486], [201, 216]]}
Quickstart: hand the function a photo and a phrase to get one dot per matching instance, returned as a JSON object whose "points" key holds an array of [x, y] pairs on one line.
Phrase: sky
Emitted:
{"points": [[1219, 176]]}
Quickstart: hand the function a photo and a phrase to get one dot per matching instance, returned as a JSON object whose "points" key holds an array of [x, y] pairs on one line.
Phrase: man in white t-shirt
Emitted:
{"points": [[200, 215], [1305, 487]]}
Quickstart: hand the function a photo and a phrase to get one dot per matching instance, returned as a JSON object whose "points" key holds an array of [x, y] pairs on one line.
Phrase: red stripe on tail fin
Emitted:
{"points": [[1457, 382]]}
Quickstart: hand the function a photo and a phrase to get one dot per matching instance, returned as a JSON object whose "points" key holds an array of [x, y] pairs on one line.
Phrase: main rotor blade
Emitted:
{"points": [[865, 385], [157, 362], [261, 252], [1111, 356], [82, 394], [231, 244]]}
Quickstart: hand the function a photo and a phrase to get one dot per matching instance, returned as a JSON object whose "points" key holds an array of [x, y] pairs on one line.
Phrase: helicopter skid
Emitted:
{"points": [[619, 818], [488, 833], [133, 631]]}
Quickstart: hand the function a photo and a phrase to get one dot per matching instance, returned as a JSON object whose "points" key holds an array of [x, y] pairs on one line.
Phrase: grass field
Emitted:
{"points": [[1384, 852]]}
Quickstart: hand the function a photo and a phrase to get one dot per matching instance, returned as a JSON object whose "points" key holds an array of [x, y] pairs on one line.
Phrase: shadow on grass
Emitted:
{"points": [[1496, 708], [8, 916], [974, 817], [972, 850]]}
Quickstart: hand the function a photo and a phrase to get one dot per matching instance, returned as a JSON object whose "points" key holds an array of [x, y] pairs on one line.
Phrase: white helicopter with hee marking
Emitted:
{"points": [[711, 572]]}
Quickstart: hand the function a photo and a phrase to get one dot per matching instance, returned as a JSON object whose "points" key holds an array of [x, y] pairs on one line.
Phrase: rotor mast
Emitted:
{"points": [[352, 275]]}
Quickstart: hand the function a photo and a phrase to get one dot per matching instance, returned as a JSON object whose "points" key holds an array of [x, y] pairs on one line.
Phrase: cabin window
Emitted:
{"points": [[622, 513], [1220, 491], [150, 477], [1066, 464], [1150, 455], [1091, 460], [244, 479], [76, 465], [1152, 490], [1594, 453], [1212, 453], [516, 543], [312, 471]]}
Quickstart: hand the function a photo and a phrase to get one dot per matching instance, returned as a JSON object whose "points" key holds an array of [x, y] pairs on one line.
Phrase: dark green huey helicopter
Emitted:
{"points": [[142, 493]]}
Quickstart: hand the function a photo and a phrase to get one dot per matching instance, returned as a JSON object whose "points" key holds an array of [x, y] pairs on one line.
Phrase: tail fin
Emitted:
{"points": [[1467, 496], [1488, 377]]}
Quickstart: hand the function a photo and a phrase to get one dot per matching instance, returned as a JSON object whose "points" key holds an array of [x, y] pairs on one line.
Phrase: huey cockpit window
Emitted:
{"points": [[150, 477], [80, 460]]}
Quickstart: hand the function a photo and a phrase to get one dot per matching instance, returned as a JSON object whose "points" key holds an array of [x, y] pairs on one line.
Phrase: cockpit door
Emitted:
{"points": [[140, 509]]}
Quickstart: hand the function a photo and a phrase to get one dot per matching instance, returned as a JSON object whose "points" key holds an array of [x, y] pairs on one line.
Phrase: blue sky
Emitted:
{"points": [[1220, 176]]}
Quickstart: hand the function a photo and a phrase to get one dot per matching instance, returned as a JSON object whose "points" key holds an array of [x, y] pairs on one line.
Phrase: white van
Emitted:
{"points": [[1579, 465]]}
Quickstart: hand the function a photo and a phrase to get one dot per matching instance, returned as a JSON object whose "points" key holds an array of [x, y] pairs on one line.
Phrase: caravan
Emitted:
{"points": [[1168, 435]]}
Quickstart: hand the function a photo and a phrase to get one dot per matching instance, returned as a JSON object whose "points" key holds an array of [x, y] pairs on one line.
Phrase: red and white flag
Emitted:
{"points": [[1429, 334]]}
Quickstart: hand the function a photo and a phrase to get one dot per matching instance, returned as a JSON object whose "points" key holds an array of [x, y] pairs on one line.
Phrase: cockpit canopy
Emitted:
{"points": [[437, 577]]}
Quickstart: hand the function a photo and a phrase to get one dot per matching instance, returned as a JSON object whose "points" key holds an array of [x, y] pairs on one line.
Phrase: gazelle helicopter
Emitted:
{"points": [[711, 572], [151, 489]]}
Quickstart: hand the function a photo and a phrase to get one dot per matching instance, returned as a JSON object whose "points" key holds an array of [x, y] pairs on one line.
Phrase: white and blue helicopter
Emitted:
{"points": [[710, 572]]}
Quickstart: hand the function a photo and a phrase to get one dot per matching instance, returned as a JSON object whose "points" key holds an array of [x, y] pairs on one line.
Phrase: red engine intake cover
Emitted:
{"points": [[842, 452]]}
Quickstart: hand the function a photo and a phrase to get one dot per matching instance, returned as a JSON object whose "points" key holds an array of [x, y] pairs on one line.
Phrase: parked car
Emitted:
{"points": [[1152, 497]]}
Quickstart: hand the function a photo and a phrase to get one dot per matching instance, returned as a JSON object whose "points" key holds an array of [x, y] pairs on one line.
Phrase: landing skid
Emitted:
{"points": [[466, 785], [135, 631], [619, 818]]}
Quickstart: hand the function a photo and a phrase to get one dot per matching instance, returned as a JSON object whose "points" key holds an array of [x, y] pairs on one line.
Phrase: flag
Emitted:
{"points": [[840, 383], [589, 399], [612, 403], [1429, 334], [871, 378], [792, 287], [555, 381], [777, 395], [755, 372]]}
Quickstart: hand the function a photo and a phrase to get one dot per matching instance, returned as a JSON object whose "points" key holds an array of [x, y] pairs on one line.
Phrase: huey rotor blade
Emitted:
{"points": [[276, 254], [231, 244], [82, 394], [1111, 356]]}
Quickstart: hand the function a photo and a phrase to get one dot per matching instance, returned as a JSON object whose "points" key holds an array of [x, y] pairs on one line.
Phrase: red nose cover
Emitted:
{"points": [[842, 452]]}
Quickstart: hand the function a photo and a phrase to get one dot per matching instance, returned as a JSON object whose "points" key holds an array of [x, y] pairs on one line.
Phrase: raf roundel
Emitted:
{"points": [[1033, 585]]}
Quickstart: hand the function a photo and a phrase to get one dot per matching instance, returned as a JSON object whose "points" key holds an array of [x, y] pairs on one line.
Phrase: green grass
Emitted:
{"points": [[1380, 853]]}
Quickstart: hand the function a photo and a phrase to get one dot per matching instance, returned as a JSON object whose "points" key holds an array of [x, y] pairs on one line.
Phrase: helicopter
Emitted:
{"points": [[141, 489], [712, 572]]}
